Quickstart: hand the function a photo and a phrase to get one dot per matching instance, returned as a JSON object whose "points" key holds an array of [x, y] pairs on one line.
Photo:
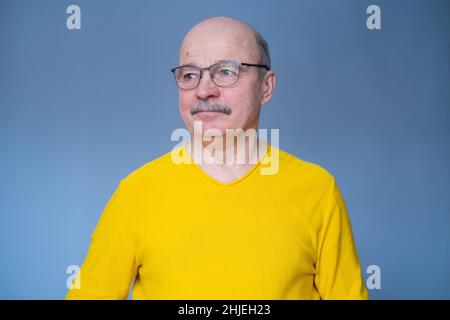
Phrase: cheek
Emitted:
{"points": [[184, 107], [185, 101], [243, 102]]}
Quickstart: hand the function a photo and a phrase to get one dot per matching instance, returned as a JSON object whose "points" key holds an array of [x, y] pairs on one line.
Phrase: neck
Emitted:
{"points": [[227, 152]]}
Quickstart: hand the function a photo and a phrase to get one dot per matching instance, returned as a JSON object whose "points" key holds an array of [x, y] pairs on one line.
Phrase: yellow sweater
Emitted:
{"points": [[180, 234]]}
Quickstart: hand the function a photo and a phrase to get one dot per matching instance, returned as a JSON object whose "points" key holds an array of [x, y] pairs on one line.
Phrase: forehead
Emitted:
{"points": [[205, 48]]}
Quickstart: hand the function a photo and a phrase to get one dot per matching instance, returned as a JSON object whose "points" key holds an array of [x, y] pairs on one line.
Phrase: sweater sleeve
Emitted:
{"points": [[338, 271], [110, 265]]}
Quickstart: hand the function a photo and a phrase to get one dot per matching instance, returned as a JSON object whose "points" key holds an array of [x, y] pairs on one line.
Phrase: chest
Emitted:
{"points": [[195, 243]]}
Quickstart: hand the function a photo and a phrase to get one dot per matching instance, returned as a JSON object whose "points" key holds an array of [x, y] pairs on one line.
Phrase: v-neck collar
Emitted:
{"points": [[250, 172]]}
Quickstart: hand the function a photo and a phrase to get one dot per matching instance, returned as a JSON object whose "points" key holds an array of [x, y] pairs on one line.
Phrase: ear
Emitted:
{"points": [[268, 87]]}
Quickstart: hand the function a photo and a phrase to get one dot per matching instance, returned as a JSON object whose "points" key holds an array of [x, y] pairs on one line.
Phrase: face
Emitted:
{"points": [[208, 44]]}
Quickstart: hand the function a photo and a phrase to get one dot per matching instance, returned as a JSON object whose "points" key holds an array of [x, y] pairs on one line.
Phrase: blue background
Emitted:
{"points": [[81, 109]]}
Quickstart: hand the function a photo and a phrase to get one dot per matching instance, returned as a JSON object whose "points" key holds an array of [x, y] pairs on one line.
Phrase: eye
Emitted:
{"points": [[227, 72], [189, 76]]}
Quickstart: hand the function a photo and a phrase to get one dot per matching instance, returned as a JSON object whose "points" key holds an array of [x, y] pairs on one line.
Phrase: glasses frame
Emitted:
{"points": [[201, 70]]}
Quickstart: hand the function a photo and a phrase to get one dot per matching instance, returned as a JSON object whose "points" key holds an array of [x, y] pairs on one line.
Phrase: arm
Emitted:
{"points": [[338, 272], [110, 266]]}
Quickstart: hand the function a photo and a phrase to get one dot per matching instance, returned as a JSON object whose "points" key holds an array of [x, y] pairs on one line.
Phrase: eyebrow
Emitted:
{"points": [[191, 64]]}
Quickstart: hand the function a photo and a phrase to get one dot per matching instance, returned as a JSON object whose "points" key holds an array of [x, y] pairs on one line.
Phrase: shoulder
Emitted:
{"points": [[151, 172], [315, 185], [296, 168]]}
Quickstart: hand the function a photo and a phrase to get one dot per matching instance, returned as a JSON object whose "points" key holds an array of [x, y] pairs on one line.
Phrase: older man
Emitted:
{"points": [[223, 230]]}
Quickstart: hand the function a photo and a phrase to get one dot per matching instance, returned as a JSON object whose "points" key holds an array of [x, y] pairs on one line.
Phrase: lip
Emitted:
{"points": [[206, 111], [206, 115]]}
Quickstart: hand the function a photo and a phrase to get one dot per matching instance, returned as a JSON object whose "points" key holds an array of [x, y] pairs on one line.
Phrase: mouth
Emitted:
{"points": [[208, 115], [207, 108], [208, 111]]}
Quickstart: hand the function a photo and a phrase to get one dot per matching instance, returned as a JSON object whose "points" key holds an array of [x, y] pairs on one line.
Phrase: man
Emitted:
{"points": [[223, 230]]}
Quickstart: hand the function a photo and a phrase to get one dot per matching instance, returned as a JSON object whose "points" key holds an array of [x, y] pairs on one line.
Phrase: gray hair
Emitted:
{"points": [[206, 106], [263, 52], [263, 49]]}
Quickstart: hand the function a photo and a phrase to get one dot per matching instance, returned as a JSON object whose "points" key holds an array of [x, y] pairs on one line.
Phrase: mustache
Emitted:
{"points": [[214, 107]]}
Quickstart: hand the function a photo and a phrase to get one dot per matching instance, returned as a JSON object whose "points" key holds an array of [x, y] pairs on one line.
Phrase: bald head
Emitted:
{"points": [[206, 44], [239, 36]]}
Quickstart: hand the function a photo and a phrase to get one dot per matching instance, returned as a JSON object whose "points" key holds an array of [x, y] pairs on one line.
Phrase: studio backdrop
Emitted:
{"points": [[87, 96]]}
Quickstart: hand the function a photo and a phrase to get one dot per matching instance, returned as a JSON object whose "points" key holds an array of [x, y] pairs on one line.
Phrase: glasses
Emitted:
{"points": [[223, 74]]}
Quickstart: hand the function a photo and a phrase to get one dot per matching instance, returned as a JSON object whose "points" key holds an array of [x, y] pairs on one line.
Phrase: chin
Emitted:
{"points": [[214, 127]]}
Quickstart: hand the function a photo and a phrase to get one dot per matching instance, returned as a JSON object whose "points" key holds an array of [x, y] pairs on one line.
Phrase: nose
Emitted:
{"points": [[206, 87]]}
